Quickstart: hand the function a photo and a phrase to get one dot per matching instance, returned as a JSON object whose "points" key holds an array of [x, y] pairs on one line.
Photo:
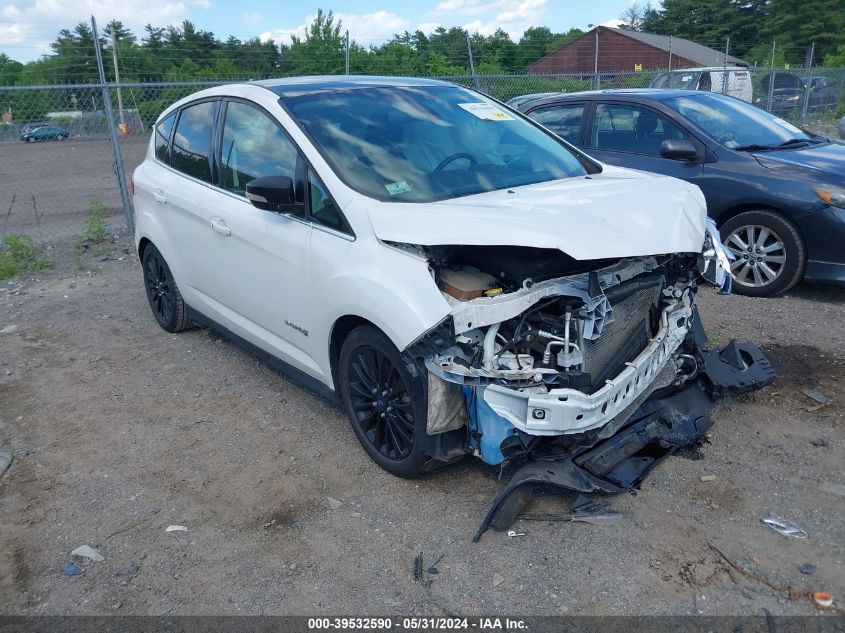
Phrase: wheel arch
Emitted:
{"points": [[732, 212], [340, 330], [142, 246]]}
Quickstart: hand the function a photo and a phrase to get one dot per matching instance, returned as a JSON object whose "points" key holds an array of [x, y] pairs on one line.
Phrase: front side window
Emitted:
{"points": [[564, 120], [323, 209], [253, 146], [623, 128], [162, 135], [736, 124], [191, 146], [427, 143]]}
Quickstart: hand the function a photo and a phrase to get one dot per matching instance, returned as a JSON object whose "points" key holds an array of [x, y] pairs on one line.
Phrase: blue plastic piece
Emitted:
{"points": [[489, 425], [72, 569]]}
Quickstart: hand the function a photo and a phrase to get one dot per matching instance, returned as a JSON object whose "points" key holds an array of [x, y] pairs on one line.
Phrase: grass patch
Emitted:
{"points": [[95, 233], [19, 254]]}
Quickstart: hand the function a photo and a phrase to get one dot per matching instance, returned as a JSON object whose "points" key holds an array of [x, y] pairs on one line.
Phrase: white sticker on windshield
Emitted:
{"points": [[788, 126], [395, 188], [486, 111]]}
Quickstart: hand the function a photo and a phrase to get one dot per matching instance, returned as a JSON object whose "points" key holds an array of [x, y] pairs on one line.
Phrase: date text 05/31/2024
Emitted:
{"points": [[418, 624]]}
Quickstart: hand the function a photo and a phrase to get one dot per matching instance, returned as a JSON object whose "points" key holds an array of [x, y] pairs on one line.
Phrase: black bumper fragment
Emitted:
{"points": [[735, 369], [657, 429]]}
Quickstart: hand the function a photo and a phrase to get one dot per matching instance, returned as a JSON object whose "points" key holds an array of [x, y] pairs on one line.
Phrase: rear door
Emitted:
{"points": [[630, 135], [183, 194]]}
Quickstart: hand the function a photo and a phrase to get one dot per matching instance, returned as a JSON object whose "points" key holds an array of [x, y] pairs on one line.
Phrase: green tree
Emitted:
{"points": [[10, 70], [539, 41], [322, 49], [796, 24], [710, 22]]}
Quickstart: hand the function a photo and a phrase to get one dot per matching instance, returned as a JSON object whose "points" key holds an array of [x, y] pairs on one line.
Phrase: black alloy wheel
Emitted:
{"points": [[163, 293], [385, 404]]}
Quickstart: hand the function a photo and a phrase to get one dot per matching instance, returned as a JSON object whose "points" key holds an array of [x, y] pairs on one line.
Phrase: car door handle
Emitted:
{"points": [[158, 194], [220, 227]]}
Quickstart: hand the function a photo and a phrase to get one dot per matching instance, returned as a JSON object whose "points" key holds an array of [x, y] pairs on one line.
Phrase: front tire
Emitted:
{"points": [[770, 254], [386, 404], [162, 292]]}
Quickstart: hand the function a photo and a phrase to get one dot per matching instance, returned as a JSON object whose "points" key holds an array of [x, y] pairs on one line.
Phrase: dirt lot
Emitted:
{"points": [[119, 430], [47, 188]]}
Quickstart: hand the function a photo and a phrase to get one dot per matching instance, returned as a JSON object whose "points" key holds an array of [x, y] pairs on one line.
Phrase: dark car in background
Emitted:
{"points": [[776, 192], [789, 91], [32, 133]]}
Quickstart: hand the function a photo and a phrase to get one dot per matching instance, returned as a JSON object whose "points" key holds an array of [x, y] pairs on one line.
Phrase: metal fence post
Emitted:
{"points": [[808, 82], [596, 76], [475, 80], [118, 160], [670, 52], [347, 51], [725, 67], [772, 76]]}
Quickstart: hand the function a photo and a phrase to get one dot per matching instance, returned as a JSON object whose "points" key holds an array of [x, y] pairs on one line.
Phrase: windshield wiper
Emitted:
{"points": [[793, 142]]}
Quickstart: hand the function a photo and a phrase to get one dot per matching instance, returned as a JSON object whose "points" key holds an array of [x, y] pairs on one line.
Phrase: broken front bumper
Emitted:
{"points": [[564, 411], [655, 430]]}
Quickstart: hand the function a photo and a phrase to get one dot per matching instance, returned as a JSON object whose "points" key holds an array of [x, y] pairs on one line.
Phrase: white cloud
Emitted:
{"points": [[364, 28], [428, 27], [252, 17], [614, 23], [512, 16], [203, 4], [29, 26]]}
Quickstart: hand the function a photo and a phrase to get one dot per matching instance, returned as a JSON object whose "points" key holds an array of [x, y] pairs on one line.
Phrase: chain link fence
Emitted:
{"points": [[58, 176]]}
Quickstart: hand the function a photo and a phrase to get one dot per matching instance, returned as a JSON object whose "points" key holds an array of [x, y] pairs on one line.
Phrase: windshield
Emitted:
{"points": [[685, 80], [426, 143], [734, 123]]}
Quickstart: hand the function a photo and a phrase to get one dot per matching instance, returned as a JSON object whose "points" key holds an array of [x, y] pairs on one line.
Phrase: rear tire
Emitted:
{"points": [[163, 294], [386, 404], [770, 254]]}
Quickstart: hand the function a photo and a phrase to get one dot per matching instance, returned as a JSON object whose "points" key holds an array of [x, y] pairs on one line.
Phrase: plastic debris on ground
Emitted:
{"points": [[707, 478], [783, 527], [72, 569], [5, 461], [334, 504], [807, 568], [497, 579], [823, 599], [85, 551], [514, 533], [583, 510], [418, 567], [175, 528], [815, 395]]}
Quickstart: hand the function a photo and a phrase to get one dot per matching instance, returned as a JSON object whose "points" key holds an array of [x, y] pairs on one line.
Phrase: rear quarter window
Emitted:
{"points": [[162, 138], [191, 147]]}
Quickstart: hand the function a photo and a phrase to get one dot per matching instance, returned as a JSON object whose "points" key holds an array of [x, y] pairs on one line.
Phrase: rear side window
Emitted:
{"points": [[564, 120], [163, 129], [192, 141]]}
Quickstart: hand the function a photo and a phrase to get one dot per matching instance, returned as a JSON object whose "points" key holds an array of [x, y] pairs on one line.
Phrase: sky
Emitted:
{"points": [[28, 26]]}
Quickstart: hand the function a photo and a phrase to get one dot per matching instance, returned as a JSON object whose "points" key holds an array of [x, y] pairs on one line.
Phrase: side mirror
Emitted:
{"points": [[678, 149], [273, 193]]}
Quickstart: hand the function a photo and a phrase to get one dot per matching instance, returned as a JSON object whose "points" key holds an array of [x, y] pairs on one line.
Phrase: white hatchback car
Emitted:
{"points": [[462, 280]]}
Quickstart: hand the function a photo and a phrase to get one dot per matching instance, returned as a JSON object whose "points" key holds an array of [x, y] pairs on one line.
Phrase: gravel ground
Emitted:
{"points": [[120, 429]]}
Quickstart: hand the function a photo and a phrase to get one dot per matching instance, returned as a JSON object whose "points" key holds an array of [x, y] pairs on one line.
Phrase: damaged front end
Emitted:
{"points": [[576, 374]]}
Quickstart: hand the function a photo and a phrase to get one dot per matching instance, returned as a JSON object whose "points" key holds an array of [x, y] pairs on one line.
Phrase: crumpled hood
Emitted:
{"points": [[618, 213]]}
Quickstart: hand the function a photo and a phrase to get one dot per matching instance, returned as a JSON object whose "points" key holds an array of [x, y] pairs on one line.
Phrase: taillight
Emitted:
{"points": [[132, 185]]}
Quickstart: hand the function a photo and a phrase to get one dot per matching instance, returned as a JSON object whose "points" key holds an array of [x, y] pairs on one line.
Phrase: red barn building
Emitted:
{"points": [[620, 50]]}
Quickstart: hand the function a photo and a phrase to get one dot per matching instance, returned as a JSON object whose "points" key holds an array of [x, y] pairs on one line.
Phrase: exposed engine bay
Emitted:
{"points": [[544, 358]]}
